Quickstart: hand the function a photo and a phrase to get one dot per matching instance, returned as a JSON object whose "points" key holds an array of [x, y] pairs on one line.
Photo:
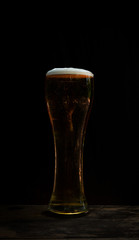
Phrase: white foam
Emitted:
{"points": [[57, 71]]}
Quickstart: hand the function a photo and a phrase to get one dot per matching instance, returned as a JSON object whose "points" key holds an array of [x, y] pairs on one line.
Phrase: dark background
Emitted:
{"points": [[30, 48]]}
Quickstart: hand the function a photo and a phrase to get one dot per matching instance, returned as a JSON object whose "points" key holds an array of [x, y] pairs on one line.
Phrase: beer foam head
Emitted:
{"points": [[62, 71]]}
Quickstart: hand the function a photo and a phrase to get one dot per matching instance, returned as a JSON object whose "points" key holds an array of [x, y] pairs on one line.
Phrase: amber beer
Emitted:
{"points": [[69, 95]]}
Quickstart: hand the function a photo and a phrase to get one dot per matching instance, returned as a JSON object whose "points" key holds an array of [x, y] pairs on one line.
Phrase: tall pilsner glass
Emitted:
{"points": [[69, 95]]}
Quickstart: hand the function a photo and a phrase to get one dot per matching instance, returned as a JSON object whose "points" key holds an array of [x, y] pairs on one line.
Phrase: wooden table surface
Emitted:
{"points": [[102, 222]]}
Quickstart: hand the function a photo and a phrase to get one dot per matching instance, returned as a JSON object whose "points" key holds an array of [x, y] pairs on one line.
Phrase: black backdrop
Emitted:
{"points": [[111, 146]]}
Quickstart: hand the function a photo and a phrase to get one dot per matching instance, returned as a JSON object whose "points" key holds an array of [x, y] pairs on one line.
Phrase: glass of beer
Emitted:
{"points": [[69, 97]]}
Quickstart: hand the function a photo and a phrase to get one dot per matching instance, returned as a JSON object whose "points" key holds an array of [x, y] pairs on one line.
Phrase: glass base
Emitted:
{"points": [[68, 209]]}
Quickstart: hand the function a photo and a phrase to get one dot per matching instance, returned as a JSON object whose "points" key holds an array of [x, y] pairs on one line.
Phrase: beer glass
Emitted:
{"points": [[69, 96]]}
